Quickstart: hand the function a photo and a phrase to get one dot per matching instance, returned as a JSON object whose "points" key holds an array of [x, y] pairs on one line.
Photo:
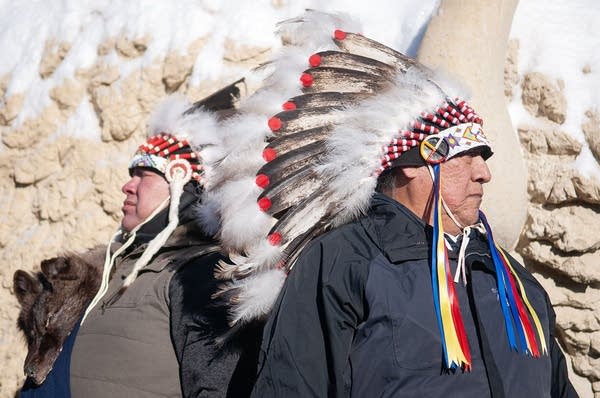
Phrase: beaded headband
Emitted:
{"points": [[162, 150]]}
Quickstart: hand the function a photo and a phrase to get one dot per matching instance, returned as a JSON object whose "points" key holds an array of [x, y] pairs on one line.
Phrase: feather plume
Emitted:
{"points": [[291, 142], [343, 81], [283, 166], [342, 60], [290, 191], [326, 99], [303, 217], [365, 47], [166, 116], [290, 122], [256, 295]]}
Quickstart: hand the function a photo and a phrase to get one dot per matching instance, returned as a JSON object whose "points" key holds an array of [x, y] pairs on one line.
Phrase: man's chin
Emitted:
{"points": [[128, 225]]}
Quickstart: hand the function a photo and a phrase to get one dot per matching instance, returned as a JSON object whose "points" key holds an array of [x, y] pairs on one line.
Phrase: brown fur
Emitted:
{"points": [[52, 301]]}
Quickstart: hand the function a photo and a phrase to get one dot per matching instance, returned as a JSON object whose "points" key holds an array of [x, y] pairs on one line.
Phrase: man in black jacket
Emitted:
{"points": [[401, 290], [356, 315]]}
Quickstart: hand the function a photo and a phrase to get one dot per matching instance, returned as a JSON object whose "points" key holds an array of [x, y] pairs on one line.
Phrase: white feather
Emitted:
{"points": [[166, 115], [314, 29], [257, 294], [243, 223], [207, 215]]}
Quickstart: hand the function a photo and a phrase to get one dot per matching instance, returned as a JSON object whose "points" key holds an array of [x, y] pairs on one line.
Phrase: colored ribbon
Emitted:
{"points": [[513, 309], [454, 338]]}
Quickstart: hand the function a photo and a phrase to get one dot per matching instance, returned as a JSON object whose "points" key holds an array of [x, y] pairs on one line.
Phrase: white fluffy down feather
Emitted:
{"points": [[200, 127], [257, 294]]}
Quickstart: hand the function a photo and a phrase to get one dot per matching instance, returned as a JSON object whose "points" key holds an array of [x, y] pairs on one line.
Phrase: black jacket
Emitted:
{"points": [[356, 318], [206, 369]]}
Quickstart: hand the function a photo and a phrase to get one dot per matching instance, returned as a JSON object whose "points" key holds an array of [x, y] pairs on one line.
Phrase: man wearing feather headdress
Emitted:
{"points": [[148, 332], [361, 238]]}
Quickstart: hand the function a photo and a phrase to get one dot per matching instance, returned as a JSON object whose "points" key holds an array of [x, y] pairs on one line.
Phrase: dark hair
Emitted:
{"points": [[386, 181]]}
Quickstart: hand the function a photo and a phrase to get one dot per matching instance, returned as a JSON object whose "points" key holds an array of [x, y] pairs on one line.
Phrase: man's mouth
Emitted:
{"points": [[127, 204]]}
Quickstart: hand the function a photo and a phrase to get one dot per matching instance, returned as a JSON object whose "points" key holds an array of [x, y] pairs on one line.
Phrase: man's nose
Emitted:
{"points": [[481, 171], [130, 186]]}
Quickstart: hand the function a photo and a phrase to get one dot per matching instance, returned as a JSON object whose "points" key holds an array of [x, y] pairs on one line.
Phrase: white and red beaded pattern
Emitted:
{"points": [[429, 123], [445, 116], [163, 145]]}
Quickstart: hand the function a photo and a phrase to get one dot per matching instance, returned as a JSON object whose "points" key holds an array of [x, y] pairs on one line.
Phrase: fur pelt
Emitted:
{"points": [[52, 301]]}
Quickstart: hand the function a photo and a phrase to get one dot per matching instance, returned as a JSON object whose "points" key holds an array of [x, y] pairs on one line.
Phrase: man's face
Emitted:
{"points": [[462, 178], [145, 191]]}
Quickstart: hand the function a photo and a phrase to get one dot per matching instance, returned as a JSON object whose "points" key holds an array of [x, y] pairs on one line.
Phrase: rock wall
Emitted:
{"points": [[61, 192], [561, 241]]}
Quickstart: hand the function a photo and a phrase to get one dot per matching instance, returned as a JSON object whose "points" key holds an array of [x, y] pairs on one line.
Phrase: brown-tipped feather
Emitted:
{"points": [[224, 270], [287, 164], [360, 45], [295, 247], [292, 190], [358, 63], [300, 219], [343, 81], [287, 143], [331, 99], [223, 99], [305, 119]]}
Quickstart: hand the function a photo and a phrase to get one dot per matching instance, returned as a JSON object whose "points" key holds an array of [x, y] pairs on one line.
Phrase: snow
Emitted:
{"points": [[556, 38], [83, 123], [171, 26]]}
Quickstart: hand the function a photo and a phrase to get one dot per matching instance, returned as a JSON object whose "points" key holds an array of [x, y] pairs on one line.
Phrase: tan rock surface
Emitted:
{"points": [[588, 189], [34, 130], [511, 73], [591, 130], [553, 180], [54, 53], [543, 98], [69, 94], [581, 268], [10, 109], [129, 48], [567, 228], [549, 140], [120, 115]]}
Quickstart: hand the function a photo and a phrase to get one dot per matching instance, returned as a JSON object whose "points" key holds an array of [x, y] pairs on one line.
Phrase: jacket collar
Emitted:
{"points": [[398, 232], [402, 236], [183, 237]]}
